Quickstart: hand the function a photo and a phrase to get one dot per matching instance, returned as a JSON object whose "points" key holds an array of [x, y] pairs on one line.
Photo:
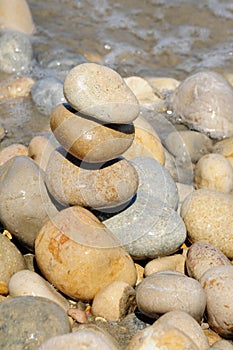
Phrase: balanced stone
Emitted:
{"points": [[86, 138], [204, 102], [91, 185], [11, 261], [100, 92], [79, 255], [155, 295], [26, 322], [25, 204], [208, 217]]}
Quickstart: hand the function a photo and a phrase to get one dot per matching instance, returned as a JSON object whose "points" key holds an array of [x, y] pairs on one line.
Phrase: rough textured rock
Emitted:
{"points": [[208, 217], [100, 92], [88, 139], [204, 102], [42, 320], [79, 255]]}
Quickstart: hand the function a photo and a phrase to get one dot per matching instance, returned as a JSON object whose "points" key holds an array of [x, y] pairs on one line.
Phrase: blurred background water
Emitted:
{"points": [[172, 38]]}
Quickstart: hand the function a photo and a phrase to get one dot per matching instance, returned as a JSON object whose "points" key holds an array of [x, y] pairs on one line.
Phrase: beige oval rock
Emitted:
{"points": [[174, 262], [208, 217], [214, 172], [19, 87], [225, 148], [202, 256], [16, 15], [100, 92], [11, 261], [161, 337], [90, 185], [146, 142], [217, 283], [40, 149], [114, 301], [166, 291], [26, 282], [16, 149], [204, 102], [142, 90], [87, 139], [25, 204], [187, 324], [163, 86], [80, 256], [82, 339]]}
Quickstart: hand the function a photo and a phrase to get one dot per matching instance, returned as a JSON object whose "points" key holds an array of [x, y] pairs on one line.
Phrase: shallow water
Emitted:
{"points": [[135, 37]]}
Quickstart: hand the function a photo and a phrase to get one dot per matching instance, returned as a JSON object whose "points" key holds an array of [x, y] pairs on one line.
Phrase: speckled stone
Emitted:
{"points": [[225, 148], [204, 102], [47, 93], [208, 217], [155, 295], [27, 282], [217, 283], [214, 172], [202, 256], [100, 92], [79, 255], [25, 204], [16, 149], [88, 139], [15, 52], [91, 185], [11, 261], [26, 322]]}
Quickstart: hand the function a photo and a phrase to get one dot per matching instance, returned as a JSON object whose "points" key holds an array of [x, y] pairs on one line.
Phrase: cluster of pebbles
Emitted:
{"points": [[117, 225]]}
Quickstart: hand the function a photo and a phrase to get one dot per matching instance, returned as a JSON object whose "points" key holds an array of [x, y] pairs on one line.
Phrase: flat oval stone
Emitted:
{"points": [[204, 101], [155, 295], [214, 172], [86, 138], [201, 256], [26, 322], [26, 282], [79, 255], [91, 185], [11, 261], [100, 92], [217, 283], [208, 217], [25, 204]]}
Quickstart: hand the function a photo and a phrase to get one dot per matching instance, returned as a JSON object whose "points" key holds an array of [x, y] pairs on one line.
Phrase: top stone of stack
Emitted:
{"points": [[101, 93]]}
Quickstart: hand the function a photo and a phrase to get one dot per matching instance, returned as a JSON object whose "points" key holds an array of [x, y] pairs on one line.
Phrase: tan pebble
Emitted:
{"points": [[20, 87], [11, 261], [100, 92], [187, 324], [40, 148], [223, 345], [114, 301], [88, 139], [163, 86], [90, 185], [80, 256], [174, 262], [16, 15], [208, 217], [218, 283], [214, 172], [142, 90], [201, 256], [78, 315], [161, 337], [11, 151], [2, 132], [146, 142], [211, 336], [93, 57], [225, 148], [140, 273], [27, 282]]}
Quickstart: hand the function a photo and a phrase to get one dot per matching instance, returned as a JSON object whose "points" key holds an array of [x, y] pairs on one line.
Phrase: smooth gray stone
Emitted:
{"points": [[16, 52], [155, 180], [26, 322], [47, 93]]}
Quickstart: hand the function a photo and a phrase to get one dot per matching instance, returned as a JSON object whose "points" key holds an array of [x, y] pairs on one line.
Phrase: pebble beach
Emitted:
{"points": [[116, 177]]}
